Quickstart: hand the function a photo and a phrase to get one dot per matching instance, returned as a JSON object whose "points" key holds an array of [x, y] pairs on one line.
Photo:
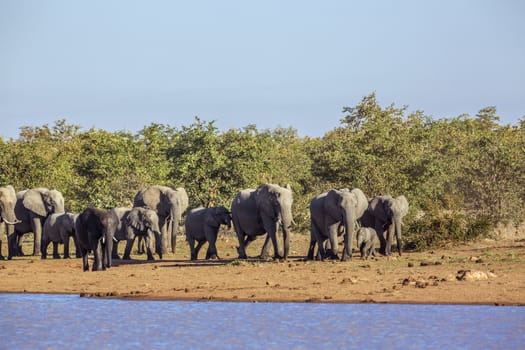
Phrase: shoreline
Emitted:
{"points": [[433, 277]]}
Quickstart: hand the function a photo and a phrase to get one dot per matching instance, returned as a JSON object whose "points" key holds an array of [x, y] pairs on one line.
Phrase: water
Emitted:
{"points": [[40, 321]]}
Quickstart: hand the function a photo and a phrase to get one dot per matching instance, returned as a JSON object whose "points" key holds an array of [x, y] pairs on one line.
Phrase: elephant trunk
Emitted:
{"points": [[286, 222], [175, 219], [348, 223], [397, 224], [8, 215]]}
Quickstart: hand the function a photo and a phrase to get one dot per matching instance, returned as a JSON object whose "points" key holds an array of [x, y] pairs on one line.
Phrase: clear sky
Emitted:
{"points": [[121, 65]]}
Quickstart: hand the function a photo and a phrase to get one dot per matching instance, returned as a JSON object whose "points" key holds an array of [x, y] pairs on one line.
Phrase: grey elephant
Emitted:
{"points": [[169, 204], [366, 240], [8, 219], [386, 214], [263, 210], [333, 213], [135, 222], [58, 228], [32, 209], [94, 233], [202, 225]]}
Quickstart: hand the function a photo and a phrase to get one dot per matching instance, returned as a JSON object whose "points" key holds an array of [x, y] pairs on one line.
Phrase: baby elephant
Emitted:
{"points": [[202, 224], [366, 241], [57, 229]]}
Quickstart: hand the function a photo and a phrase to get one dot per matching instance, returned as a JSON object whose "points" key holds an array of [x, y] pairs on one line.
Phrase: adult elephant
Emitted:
{"points": [[202, 225], [169, 204], [133, 222], [8, 218], [58, 228], [94, 233], [259, 211], [329, 213], [385, 213], [32, 208]]}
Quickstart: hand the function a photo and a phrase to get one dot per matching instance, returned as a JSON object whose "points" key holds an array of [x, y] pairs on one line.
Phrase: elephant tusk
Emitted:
{"points": [[12, 222]]}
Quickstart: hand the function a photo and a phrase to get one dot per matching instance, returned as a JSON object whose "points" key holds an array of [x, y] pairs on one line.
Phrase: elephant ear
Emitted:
{"points": [[332, 204], [135, 220], [34, 202], [401, 203], [210, 218]]}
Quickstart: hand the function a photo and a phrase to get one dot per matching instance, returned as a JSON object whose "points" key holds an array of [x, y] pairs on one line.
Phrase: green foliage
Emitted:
{"points": [[461, 175]]}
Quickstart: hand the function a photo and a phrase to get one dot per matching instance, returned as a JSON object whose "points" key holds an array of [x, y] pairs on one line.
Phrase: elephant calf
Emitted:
{"points": [[94, 231], [133, 222], [202, 225], [57, 229], [366, 241]]}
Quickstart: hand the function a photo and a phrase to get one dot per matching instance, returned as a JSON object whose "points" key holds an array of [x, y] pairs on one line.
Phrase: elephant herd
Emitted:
{"points": [[158, 210]]}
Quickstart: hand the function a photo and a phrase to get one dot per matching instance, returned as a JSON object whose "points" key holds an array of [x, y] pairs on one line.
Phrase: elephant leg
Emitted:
{"points": [[158, 244], [314, 238], [127, 250], [114, 251], [271, 227], [140, 245], [12, 245], [66, 247], [98, 265], [85, 264], [55, 251], [45, 244], [191, 244], [36, 224], [17, 244], [148, 238], [311, 248], [389, 234], [211, 237], [78, 252], [173, 231], [265, 251], [382, 241], [243, 244], [164, 239], [198, 249], [332, 236]]}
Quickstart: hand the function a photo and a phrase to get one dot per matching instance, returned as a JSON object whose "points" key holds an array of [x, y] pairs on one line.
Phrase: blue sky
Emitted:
{"points": [[121, 65]]}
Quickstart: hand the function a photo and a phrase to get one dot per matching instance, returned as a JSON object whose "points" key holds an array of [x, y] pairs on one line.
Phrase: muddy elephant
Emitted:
{"points": [[262, 211], [135, 222], [386, 213], [202, 225], [169, 204], [94, 234], [32, 209], [366, 238], [58, 228], [331, 214], [8, 219]]}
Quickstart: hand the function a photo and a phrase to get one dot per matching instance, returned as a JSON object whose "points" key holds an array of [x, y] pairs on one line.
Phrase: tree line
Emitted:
{"points": [[461, 175]]}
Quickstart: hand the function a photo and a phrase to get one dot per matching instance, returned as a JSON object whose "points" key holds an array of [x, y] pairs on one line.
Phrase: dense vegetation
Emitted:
{"points": [[462, 175]]}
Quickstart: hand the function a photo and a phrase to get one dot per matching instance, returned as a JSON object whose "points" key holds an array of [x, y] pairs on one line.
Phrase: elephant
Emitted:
{"points": [[32, 208], [366, 240], [259, 211], [331, 214], [133, 222], [57, 229], [385, 214], [169, 204], [8, 218], [94, 233], [202, 225]]}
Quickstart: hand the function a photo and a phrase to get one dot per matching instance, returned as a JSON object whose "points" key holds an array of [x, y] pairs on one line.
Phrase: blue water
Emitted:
{"points": [[44, 321]]}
